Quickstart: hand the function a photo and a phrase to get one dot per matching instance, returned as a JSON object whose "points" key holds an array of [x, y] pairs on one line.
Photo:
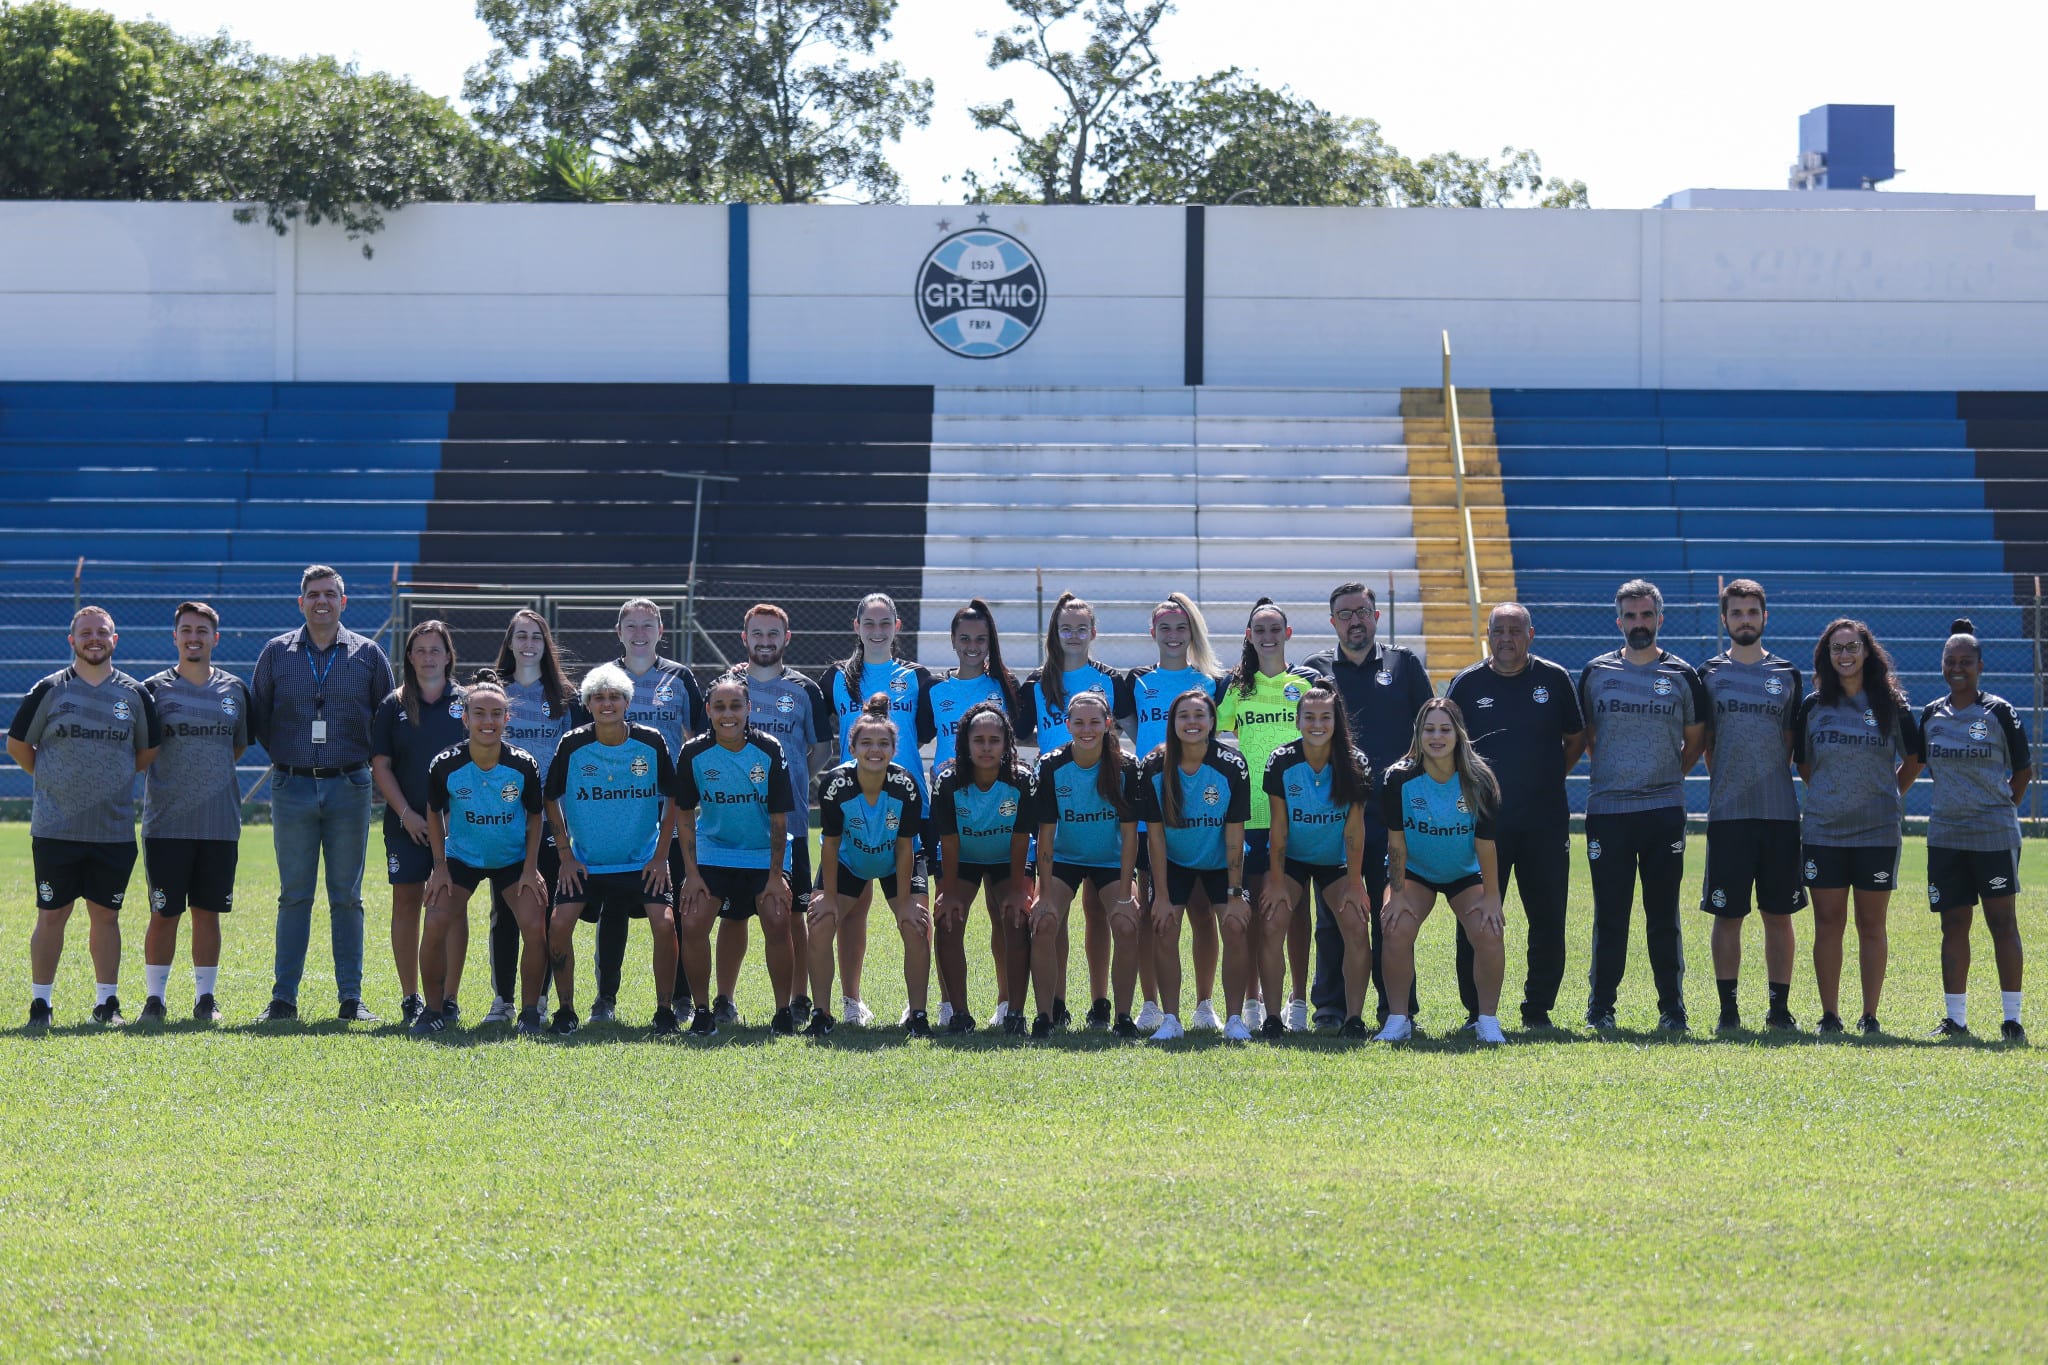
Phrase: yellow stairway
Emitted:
{"points": [[1433, 493]]}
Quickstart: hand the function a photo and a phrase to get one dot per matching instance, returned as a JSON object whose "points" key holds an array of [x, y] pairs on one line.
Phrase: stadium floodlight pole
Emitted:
{"points": [[1464, 508], [690, 631]]}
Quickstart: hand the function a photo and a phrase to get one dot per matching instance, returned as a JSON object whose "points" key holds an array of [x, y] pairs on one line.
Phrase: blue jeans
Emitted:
{"points": [[311, 817]]}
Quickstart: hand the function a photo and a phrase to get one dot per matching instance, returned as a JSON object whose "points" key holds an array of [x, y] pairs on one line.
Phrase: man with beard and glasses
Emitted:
{"points": [[1752, 812], [1383, 687], [1645, 712], [1522, 713], [789, 706]]}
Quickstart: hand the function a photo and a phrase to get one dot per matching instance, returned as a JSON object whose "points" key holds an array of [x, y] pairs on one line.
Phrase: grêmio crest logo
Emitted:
{"points": [[980, 292]]}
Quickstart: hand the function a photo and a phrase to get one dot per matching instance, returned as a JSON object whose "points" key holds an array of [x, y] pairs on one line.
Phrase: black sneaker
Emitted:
{"points": [[1099, 1014], [427, 1023], [410, 1009], [1949, 1028], [665, 1021], [704, 1025], [1062, 1017], [38, 1016], [528, 1024], [918, 1025], [2012, 1032], [784, 1021], [1783, 1022], [450, 1011], [1535, 1018], [604, 1010], [724, 1011], [800, 1011], [153, 1011], [1868, 1026], [1014, 1025], [1124, 1027], [278, 1012], [1830, 1023], [1273, 1027], [109, 1013], [565, 1022], [355, 1012], [206, 1010], [961, 1022], [1354, 1027], [1729, 1023], [1673, 1023], [820, 1025], [1041, 1027], [1600, 1021]]}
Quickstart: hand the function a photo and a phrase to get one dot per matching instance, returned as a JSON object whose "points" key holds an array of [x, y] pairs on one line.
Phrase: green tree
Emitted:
{"points": [[704, 100], [74, 88]]}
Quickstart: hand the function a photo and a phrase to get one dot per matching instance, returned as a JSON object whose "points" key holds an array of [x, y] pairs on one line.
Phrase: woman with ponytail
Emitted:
{"points": [[1087, 836]]}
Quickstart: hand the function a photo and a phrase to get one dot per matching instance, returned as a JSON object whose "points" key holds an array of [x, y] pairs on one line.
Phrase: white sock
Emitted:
{"points": [[1150, 1005], [2011, 1000], [41, 991], [107, 989], [1489, 1019], [156, 980], [204, 979], [1958, 1009]]}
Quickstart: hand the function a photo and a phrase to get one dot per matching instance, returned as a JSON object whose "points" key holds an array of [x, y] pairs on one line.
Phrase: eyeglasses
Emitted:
{"points": [[1353, 614], [1854, 647]]}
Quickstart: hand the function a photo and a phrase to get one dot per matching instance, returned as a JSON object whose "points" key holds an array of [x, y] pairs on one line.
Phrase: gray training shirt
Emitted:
{"points": [[1637, 714], [191, 791], [1747, 727], [86, 737], [1971, 752], [1852, 785]]}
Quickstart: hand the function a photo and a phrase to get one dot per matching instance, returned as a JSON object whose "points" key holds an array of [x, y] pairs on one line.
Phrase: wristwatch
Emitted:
{"points": [[1238, 892]]}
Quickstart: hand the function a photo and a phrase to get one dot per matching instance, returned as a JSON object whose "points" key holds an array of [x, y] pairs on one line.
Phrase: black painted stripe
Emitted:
{"points": [[1193, 293]]}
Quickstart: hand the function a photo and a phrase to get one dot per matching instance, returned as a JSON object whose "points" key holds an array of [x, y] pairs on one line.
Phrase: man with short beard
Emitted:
{"points": [[82, 734], [1645, 712]]}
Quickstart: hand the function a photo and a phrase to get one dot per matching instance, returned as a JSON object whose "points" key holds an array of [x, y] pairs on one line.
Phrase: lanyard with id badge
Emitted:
{"points": [[320, 690]]}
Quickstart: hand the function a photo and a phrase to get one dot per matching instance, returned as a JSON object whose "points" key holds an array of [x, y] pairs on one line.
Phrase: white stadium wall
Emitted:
{"points": [[1342, 298]]}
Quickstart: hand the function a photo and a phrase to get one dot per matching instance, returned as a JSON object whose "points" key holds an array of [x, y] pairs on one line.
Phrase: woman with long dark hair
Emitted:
{"points": [[1317, 787], [1194, 795], [1439, 803], [1975, 747], [418, 720], [982, 815], [1856, 742], [1087, 836]]}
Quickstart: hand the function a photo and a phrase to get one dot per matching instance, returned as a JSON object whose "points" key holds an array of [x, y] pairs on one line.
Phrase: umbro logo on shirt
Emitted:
{"points": [[589, 770], [1485, 702], [1997, 883], [1881, 877], [1418, 803]]}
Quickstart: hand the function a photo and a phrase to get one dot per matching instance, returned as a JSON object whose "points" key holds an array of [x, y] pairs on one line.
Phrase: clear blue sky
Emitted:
{"points": [[1635, 99]]}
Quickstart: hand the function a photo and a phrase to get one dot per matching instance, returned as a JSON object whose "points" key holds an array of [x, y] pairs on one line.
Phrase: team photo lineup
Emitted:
{"points": [[1299, 820]]}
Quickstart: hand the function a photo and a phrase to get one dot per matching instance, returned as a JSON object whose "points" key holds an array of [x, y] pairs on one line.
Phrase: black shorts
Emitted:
{"points": [[850, 886], [1456, 886], [800, 883], [976, 876], [1746, 854], [619, 892], [195, 872], [405, 862], [68, 869], [504, 880], [1258, 851], [1316, 875], [1867, 869], [1074, 874], [737, 889], [1962, 876], [1181, 883]]}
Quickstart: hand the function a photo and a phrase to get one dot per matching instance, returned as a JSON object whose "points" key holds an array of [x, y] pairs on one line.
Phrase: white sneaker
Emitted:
{"points": [[1254, 1014], [1297, 1016], [945, 1014], [1002, 1013], [1236, 1030], [1169, 1029], [1487, 1030], [1152, 1017], [1205, 1016], [1398, 1029], [502, 1011], [857, 1013]]}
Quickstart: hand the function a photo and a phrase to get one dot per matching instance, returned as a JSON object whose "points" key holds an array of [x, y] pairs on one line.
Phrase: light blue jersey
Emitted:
{"points": [[612, 796], [486, 808], [735, 793]]}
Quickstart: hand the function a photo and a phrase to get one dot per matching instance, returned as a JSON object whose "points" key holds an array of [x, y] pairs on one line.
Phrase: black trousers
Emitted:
{"points": [[1326, 993], [1618, 847], [1539, 864]]}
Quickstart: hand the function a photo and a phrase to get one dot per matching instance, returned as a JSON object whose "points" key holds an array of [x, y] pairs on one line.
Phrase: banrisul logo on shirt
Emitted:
{"points": [[980, 292]]}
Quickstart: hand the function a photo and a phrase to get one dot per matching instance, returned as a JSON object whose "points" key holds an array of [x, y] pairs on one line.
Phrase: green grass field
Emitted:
{"points": [[334, 1192]]}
